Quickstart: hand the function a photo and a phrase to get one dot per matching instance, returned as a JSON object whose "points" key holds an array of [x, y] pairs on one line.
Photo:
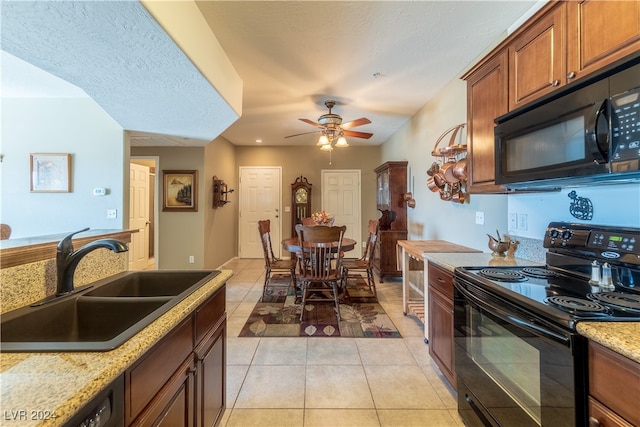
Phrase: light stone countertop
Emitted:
{"points": [[621, 337], [449, 261], [62, 383]]}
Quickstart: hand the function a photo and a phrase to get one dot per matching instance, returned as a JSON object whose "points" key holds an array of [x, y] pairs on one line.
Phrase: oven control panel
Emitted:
{"points": [[605, 242], [617, 242]]}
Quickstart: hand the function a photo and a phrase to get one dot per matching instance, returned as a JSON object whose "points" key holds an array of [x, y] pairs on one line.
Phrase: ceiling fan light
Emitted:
{"points": [[323, 140], [342, 142], [326, 147]]}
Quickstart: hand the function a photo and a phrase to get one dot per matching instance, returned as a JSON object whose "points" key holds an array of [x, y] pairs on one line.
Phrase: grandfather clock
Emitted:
{"points": [[391, 186], [300, 202]]}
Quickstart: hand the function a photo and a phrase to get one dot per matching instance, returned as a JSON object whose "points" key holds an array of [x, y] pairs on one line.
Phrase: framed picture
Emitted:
{"points": [[180, 191], [50, 173]]}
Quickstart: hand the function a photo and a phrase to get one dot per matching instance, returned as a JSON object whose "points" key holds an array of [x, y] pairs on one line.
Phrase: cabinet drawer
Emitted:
{"points": [[208, 314], [441, 279], [601, 416], [149, 374], [614, 380]]}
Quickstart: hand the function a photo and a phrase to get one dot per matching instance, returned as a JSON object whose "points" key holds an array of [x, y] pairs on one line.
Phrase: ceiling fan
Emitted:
{"points": [[333, 129]]}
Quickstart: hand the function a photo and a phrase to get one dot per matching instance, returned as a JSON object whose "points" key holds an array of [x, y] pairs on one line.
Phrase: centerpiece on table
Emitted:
{"points": [[323, 218]]}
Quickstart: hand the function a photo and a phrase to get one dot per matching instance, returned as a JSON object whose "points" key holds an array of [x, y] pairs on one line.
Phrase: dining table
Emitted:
{"points": [[292, 244]]}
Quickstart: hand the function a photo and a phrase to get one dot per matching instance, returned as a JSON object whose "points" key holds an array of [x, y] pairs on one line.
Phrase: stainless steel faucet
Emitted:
{"points": [[67, 259]]}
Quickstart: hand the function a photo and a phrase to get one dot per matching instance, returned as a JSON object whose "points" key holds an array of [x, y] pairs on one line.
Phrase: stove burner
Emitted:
{"points": [[502, 275], [576, 305], [538, 273], [618, 300]]}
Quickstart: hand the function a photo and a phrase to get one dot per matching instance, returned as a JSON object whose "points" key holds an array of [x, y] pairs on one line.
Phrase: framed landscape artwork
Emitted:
{"points": [[50, 172], [180, 191]]}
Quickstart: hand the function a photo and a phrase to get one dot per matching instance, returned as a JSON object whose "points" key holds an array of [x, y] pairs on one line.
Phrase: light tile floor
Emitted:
{"points": [[330, 381]]}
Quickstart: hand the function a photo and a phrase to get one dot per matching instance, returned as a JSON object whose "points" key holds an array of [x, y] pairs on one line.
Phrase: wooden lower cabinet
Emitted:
{"points": [[181, 381], [210, 396], [614, 387], [440, 311], [172, 407]]}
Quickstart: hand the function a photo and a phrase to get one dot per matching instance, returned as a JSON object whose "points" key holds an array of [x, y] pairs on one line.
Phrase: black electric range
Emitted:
{"points": [[571, 286], [519, 359]]}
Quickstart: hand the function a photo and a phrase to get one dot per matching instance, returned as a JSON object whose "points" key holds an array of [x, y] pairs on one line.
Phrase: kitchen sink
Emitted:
{"points": [[101, 318], [150, 283]]}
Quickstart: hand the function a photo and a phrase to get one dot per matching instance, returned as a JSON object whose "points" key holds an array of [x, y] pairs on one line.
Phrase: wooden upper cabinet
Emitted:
{"points": [[486, 100], [562, 42], [536, 58], [599, 33]]}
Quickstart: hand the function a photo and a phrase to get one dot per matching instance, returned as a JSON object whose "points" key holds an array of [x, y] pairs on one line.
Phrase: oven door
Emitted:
{"points": [[513, 370]]}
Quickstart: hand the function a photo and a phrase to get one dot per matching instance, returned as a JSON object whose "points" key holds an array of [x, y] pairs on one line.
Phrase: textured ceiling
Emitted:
{"points": [[380, 59], [119, 55]]}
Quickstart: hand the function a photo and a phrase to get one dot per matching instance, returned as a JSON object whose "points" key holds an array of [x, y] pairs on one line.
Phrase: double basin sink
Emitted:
{"points": [[103, 316]]}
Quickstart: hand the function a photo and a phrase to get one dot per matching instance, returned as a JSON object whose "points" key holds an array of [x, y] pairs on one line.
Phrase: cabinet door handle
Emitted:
{"points": [[571, 74], [593, 422], [555, 83], [440, 279]]}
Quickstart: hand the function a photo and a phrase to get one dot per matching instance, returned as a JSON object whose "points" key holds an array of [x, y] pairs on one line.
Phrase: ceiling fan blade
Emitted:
{"points": [[354, 123], [312, 123], [305, 133], [364, 135]]}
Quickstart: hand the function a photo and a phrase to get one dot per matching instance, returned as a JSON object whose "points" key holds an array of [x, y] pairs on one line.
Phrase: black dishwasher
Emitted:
{"points": [[104, 410]]}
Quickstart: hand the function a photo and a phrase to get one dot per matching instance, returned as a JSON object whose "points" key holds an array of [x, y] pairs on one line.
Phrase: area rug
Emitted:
{"points": [[278, 315]]}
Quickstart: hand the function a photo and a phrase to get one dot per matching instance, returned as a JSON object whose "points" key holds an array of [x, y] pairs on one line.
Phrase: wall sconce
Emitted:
{"points": [[220, 193]]}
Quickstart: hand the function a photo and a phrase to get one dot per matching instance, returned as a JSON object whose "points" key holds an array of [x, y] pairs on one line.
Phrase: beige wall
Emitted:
{"points": [[433, 218], [309, 161], [220, 224], [180, 234]]}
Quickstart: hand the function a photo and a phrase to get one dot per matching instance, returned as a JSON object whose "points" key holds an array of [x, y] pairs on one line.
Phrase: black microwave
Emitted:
{"points": [[587, 134]]}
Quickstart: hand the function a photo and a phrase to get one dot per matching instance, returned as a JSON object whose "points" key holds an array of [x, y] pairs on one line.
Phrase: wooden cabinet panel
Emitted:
{"points": [[181, 381], [440, 322], [600, 32], [614, 381], [210, 312], [211, 363], [486, 100], [601, 416], [536, 62], [173, 405], [149, 374]]}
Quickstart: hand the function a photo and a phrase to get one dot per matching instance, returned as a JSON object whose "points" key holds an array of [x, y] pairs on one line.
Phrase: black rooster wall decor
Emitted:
{"points": [[580, 207]]}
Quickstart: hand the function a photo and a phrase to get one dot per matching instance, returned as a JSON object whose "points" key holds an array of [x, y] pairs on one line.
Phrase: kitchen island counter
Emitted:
{"points": [[56, 386], [416, 256]]}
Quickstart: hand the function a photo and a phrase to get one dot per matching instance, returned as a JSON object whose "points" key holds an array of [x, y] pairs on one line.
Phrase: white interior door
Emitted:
{"points": [[260, 198], [139, 217], [341, 197]]}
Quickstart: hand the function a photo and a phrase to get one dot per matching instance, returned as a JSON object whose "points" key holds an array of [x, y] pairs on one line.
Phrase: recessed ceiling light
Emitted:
{"points": [[258, 141]]}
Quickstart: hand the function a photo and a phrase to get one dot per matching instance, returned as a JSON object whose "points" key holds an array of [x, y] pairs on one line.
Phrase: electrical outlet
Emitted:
{"points": [[513, 221], [112, 213], [522, 222], [192, 259], [479, 218]]}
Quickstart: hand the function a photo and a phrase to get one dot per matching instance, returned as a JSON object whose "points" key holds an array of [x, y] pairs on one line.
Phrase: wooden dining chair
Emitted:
{"points": [[308, 221], [271, 263], [364, 263], [320, 264]]}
